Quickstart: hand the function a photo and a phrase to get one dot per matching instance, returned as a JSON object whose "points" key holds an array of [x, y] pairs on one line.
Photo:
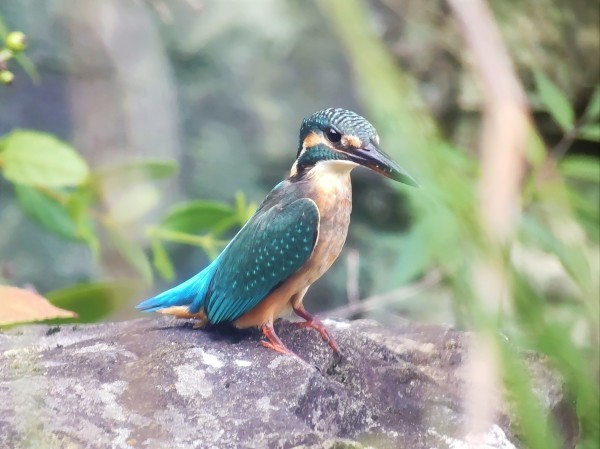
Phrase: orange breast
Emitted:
{"points": [[333, 196]]}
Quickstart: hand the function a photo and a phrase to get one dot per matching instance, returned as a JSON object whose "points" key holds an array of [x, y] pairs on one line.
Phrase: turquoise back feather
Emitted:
{"points": [[273, 245]]}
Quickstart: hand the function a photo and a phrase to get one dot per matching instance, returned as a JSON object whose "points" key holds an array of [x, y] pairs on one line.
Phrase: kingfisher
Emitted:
{"points": [[292, 239]]}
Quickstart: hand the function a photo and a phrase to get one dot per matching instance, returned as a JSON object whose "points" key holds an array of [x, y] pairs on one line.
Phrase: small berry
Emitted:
{"points": [[16, 41], [6, 77]]}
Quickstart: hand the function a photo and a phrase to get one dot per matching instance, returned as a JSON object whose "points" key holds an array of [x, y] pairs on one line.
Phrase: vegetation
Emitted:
{"points": [[56, 189], [555, 224], [558, 218]]}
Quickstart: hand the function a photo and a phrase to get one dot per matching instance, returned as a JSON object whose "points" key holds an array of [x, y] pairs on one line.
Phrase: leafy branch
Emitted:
{"points": [[552, 215], [14, 43], [56, 188], [557, 104]]}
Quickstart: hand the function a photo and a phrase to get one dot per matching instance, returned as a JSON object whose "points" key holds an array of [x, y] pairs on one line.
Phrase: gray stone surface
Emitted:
{"points": [[158, 383]]}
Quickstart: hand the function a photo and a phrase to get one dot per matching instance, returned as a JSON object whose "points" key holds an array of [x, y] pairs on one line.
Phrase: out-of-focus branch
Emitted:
{"points": [[14, 43], [502, 144], [393, 297], [506, 124], [505, 120], [353, 269]]}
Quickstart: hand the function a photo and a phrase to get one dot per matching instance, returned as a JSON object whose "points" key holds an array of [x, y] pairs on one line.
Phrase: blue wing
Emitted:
{"points": [[272, 246], [187, 293]]}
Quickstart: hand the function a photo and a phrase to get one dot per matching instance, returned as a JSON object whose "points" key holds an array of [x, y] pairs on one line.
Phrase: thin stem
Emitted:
{"points": [[393, 297], [5, 56], [560, 149], [207, 242]]}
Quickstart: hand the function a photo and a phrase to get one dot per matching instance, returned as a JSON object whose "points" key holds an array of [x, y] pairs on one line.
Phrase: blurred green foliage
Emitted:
{"points": [[110, 209], [56, 188], [13, 45], [559, 222]]}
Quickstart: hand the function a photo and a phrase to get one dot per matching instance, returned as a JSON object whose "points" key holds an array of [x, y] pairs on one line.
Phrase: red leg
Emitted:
{"points": [[274, 342], [315, 323]]}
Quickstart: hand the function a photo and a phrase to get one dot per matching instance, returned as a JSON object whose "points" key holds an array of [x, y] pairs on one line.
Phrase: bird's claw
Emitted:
{"points": [[278, 348], [273, 342], [316, 324]]}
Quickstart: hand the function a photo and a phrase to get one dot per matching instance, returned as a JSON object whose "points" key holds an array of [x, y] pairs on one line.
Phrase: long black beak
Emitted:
{"points": [[372, 157]]}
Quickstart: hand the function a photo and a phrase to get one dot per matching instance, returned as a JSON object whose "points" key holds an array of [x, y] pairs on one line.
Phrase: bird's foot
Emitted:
{"points": [[273, 342], [282, 349], [316, 324]]}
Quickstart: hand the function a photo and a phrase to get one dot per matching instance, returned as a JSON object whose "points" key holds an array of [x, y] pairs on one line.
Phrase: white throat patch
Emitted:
{"points": [[331, 177], [332, 167]]}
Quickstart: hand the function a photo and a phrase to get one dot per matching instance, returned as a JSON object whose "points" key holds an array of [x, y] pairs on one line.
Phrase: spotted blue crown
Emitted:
{"points": [[342, 120]]}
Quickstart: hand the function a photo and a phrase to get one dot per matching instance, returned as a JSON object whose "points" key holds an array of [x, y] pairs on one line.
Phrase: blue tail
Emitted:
{"points": [[190, 293]]}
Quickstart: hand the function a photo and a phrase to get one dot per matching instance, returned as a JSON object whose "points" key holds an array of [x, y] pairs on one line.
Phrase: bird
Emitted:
{"points": [[292, 239]]}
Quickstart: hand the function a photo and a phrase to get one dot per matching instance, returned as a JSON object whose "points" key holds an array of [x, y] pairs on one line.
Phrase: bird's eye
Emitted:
{"points": [[333, 135]]}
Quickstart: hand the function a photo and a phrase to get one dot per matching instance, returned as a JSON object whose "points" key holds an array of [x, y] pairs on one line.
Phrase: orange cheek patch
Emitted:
{"points": [[351, 141], [312, 140]]}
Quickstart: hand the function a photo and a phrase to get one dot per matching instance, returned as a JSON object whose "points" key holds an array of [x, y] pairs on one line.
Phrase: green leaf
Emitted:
{"points": [[70, 220], [534, 426], [243, 210], [29, 67], [37, 159], [585, 206], [535, 150], [79, 205], [195, 217], [535, 233], [126, 189], [94, 301], [3, 28], [591, 131], [132, 203], [555, 340], [414, 256], [592, 111], [131, 252], [135, 171], [584, 168], [47, 211], [555, 101], [161, 260]]}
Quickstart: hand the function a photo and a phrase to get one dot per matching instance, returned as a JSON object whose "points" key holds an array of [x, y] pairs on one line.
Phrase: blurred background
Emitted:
{"points": [[164, 123]]}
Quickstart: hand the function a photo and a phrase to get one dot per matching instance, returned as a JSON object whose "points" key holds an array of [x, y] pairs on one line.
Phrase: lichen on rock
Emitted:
{"points": [[159, 383]]}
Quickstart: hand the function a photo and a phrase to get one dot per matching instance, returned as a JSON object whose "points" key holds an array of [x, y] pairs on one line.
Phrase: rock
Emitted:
{"points": [[159, 383]]}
